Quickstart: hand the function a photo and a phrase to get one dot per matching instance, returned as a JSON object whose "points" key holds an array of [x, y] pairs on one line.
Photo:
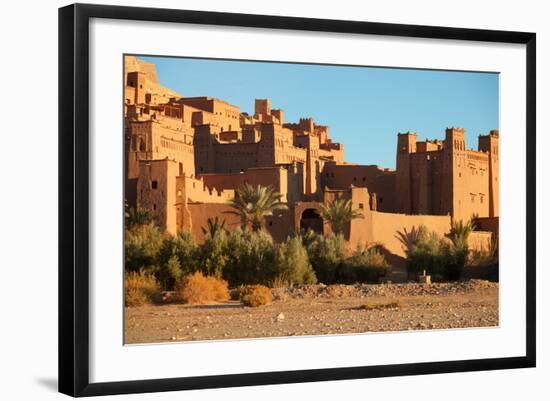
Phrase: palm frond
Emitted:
{"points": [[253, 204], [338, 213]]}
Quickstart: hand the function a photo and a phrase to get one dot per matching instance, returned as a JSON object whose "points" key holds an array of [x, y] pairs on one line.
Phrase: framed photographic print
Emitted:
{"points": [[276, 199]]}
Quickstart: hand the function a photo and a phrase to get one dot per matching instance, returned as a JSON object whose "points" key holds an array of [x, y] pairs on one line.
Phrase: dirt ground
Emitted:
{"points": [[315, 310]]}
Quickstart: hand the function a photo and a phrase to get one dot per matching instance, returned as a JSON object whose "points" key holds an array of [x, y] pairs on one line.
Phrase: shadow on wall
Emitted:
{"points": [[398, 264]]}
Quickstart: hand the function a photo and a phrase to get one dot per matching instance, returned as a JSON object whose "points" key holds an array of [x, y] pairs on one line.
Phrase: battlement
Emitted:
{"points": [[454, 130], [191, 189], [262, 106], [188, 155]]}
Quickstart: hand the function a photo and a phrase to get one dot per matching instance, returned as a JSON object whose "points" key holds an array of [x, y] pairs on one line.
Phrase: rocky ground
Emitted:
{"points": [[320, 309]]}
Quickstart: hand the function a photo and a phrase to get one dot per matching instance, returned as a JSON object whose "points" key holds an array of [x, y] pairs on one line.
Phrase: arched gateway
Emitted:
{"points": [[311, 220]]}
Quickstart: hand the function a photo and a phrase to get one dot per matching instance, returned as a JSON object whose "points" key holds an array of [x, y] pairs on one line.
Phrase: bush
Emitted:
{"points": [[438, 256], [142, 245], [327, 254], [292, 265], [236, 293], [214, 254], [177, 257], [256, 295], [485, 261], [140, 289], [364, 266], [136, 216], [198, 289], [251, 258]]}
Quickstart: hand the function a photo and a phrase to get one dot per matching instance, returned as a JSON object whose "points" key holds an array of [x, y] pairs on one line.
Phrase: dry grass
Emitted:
{"points": [[380, 305], [199, 289], [280, 282], [256, 295], [140, 289]]}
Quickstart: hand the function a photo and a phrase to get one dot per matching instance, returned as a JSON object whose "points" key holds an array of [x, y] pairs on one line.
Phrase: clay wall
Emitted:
{"points": [[475, 195], [428, 146], [142, 76], [439, 178], [138, 146], [426, 178], [480, 240], [490, 224], [129, 95], [275, 177], [377, 180], [332, 151], [234, 157], [225, 115], [191, 189], [279, 116], [159, 139], [156, 191], [230, 136], [489, 144], [386, 225], [132, 63], [406, 144], [195, 216]]}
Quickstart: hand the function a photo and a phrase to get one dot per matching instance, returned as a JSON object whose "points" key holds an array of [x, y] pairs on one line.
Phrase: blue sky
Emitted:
{"points": [[364, 107]]}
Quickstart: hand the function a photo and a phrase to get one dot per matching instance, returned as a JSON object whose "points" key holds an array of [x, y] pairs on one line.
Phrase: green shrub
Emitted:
{"points": [[292, 264], [485, 260], [251, 258], [199, 289], [436, 255], [364, 266], [140, 288], [214, 254], [142, 245], [181, 249], [327, 255], [136, 216], [256, 295]]}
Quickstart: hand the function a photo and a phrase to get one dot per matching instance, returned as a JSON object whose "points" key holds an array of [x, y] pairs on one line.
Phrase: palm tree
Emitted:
{"points": [[213, 227], [460, 232], [409, 239], [338, 213], [136, 216], [252, 204]]}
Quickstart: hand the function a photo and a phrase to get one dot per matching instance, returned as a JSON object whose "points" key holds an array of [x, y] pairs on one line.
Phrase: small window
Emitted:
{"points": [[154, 184], [154, 206], [361, 206], [270, 224]]}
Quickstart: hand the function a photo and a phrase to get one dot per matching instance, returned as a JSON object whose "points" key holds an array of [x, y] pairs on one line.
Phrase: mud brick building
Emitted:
{"points": [[186, 156]]}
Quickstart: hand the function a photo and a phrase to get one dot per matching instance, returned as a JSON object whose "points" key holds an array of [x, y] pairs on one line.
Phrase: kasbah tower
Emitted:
{"points": [[186, 156]]}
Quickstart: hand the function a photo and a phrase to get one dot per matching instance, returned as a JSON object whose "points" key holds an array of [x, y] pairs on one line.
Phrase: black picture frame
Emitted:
{"points": [[74, 198]]}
